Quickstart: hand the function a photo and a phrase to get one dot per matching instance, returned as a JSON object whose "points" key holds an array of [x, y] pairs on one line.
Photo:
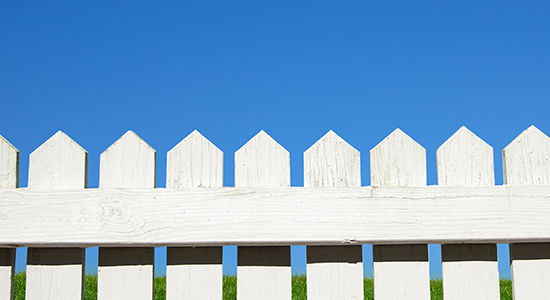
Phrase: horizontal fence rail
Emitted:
{"points": [[56, 216]]}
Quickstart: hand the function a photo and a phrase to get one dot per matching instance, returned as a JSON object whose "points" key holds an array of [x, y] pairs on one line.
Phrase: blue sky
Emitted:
{"points": [[295, 69]]}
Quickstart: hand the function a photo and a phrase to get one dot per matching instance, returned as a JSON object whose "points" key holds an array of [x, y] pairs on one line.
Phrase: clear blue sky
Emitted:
{"points": [[295, 69]]}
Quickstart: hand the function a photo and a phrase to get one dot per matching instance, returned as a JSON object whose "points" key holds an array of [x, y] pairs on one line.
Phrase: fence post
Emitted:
{"points": [[333, 272], [400, 271], [127, 273], [526, 161], [470, 271], [56, 273], [263, 272], [9, 175], [194, 272]]}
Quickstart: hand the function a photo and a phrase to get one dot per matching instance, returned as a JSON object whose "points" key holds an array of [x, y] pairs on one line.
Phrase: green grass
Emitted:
{"points": [[299, 288]]}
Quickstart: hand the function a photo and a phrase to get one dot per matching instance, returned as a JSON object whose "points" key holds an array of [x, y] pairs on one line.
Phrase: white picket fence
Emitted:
{"points": [[57, 217]]}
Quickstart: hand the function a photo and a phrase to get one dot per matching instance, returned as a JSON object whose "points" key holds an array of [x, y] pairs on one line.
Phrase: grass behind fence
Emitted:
{"points": [[299, 290]]}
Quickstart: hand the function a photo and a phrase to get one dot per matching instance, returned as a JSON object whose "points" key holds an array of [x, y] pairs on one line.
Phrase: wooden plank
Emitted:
{"points": [[9, 177], [194, 272], [525, 162], [59, 163], [277, 216], [127, 273], [400, 272], [333, 271], [470, 271], [263, 272], [9, 165], [7, 271]]}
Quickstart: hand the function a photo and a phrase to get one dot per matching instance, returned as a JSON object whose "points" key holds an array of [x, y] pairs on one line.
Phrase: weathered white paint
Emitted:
{"points": [[7, 267], [262, 162], [9, 175], [465, 160], [332, 162], [398, 161], [400, 272], [530, 268], [526, 161], [194, 272], [126, 273], [55, 273], [278, 216], [9, 165], [194, 162], [263, 272], [333, 272], [128, 163], [59, 163], [469, 271]]}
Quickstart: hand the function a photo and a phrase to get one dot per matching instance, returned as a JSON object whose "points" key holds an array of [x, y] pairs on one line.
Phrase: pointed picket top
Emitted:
{"points": [[398, 161], [526, 160], [332, 162], [465, 160], [9, 165], [128, 163], [59, 163], [194, 162], [262, 162]]}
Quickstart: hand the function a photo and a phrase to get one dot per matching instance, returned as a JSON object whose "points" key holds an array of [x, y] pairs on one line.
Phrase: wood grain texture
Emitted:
{"points": [[9, 165], [278, 216], [470, 271], [126, 273], [55, 273], [332, 162], [263, 272], [194, 272], [404, 272], [194, 162], [398, 161], [7, 271], [262, 162], [59, 163], [526, 161], [128, 163], [333, 272]]}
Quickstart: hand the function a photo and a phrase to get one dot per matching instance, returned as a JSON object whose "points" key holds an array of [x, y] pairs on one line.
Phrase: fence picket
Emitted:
{"points": [[194, 272], [333, 272], [9, 175], [400, 271], [526, 161], [126, 273], [470, 271], [263, 272], [56, 273]]}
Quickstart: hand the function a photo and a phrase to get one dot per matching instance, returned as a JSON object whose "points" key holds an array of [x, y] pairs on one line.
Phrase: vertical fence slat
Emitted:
{"points": [[263, 272], [400, 271], [194, 272], [526, 161], [56, 273], [127, 273], [9, 175], [333, 272], [470, 271]]}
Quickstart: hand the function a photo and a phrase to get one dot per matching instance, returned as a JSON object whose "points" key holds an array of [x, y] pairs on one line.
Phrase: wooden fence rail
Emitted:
{"points": [[57, 217]]}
